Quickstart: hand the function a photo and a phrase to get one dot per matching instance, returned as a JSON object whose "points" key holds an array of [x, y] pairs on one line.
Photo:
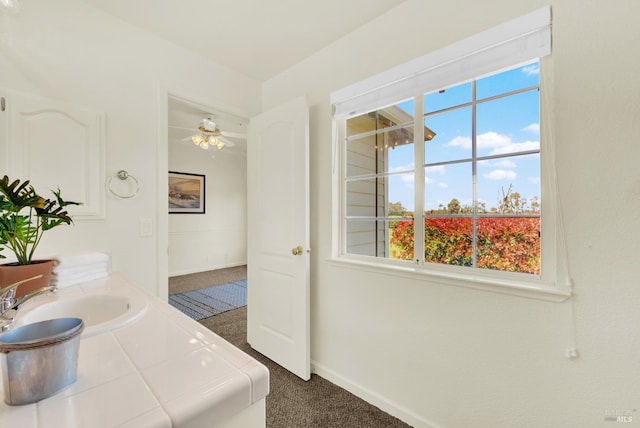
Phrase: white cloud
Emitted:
{"points": [[443, 185], [438, 169], [506, 163], [533, 128], [534, 180], [399, 168], [516, 147], [501, 174], [409, 178], [493, 140], [531, 70], [464, 142], [485, 141]]}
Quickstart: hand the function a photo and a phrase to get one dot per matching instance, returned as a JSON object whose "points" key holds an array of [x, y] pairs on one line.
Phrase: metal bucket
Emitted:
{"points": [[39, 359]]}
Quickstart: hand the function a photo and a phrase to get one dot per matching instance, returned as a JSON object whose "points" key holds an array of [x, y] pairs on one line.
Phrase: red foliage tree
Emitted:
{"points": [[503, 243]]}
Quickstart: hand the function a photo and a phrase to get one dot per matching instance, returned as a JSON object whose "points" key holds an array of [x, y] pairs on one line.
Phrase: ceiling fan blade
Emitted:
{"points": [[181, 128], [226, 141], [231, 134]]}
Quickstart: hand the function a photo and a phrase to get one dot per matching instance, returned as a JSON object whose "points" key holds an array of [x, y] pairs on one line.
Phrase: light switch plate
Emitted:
{"points": [[146, 227]]}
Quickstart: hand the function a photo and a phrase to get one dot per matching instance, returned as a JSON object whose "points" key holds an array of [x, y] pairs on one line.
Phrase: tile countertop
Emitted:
{"points": [[160, 370]]}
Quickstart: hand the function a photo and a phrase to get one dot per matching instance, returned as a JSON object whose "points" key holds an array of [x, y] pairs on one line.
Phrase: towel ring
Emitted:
{"points": [[124, 175]]}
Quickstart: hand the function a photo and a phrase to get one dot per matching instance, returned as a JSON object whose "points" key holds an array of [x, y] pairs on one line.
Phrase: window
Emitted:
{"points": [[481, 167], [442, 162]]}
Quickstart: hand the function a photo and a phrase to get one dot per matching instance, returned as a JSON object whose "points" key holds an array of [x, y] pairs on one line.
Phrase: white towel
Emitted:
{"points": [[74, 270], [80, 259], [73, 281], [70, 274], [71, 269]]}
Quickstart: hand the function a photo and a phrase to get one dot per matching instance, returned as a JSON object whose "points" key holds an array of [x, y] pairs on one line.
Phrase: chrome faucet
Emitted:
{"points": [[9, 303]]}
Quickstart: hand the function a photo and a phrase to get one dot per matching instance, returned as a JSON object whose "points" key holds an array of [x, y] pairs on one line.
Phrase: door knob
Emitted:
{"points": [[297, 251]]}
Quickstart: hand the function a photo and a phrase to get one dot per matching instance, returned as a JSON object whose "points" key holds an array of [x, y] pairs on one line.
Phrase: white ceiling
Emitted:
{"points": [[258, 38]]}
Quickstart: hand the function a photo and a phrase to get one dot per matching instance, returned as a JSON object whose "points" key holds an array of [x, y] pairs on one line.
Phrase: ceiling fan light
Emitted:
{"points": [[220, 145], [197, 139], [204, 145], [10, 4]]}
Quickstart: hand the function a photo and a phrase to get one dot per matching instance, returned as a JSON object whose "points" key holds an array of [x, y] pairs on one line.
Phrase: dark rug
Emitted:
{"points": [[214, 300]]}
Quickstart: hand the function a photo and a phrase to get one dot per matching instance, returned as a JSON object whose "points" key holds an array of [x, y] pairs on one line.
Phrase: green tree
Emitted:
{"points": [[454, 206], [511, 202], [396, 209]]}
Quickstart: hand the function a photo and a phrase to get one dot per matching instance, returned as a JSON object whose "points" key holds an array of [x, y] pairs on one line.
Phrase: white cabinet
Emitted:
{"points": [[55, 145]]}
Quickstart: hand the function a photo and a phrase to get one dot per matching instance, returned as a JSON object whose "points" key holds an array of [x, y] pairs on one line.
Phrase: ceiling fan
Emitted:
{"points": [[209, 135]]}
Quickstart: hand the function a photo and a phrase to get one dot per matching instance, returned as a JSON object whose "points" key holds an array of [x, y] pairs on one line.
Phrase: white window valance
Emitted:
{"points": [[511, 43]]}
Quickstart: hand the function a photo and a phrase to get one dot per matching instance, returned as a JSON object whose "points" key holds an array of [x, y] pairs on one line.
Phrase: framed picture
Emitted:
{"points": [[186, 193]]}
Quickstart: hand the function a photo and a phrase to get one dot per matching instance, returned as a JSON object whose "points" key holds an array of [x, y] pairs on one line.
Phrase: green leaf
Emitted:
{"points": [[25, 216]]}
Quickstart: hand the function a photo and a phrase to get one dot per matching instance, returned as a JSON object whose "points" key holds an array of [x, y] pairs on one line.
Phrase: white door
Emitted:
{"points": [[278, 236]]}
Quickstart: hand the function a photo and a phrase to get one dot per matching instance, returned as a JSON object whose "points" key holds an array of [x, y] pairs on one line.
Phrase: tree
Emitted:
{"points": [[396, 209], [454, 206], [511, 202]]}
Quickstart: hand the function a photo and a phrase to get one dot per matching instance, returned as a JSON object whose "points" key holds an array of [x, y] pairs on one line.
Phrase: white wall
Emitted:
{"points": [[66, 50], [432, 354], [218, 238], [445, 356]]}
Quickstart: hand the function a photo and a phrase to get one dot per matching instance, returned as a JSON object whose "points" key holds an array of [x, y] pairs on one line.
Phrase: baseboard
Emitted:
{"points": [[205, 269], [383, 403]]}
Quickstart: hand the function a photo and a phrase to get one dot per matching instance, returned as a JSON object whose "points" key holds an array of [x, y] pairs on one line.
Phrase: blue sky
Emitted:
{"points": [[505, 125]]}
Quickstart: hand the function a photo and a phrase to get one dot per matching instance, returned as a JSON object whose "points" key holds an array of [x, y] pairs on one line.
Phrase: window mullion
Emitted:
{"points": [[474, 175], [418, 153], [341, 134]]}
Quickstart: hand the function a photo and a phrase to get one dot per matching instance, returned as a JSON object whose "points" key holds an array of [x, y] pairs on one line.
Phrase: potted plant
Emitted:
{"points": [[24, 218]]}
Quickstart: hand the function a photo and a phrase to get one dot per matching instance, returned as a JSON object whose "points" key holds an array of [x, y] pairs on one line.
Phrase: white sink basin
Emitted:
{"points": [[100, 312]]}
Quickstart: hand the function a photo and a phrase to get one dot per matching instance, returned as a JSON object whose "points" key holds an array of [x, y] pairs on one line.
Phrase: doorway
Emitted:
{"points": [[279, 155], [213, 237]]}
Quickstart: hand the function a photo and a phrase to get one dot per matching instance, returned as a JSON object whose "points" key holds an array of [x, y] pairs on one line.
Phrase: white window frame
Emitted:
{"points": [[505, 46]]}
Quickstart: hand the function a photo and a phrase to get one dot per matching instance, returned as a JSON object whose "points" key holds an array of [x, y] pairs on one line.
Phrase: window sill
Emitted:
{"points": [[538, 290]]}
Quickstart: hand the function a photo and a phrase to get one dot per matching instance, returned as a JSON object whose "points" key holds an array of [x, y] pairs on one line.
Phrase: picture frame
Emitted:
{"points": [[186, 193]]}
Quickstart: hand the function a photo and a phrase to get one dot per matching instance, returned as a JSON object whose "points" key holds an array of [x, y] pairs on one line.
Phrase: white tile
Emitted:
{"points": [[156, 418], [215, 403], [18, 416], [194, 373], [93, 346], [180, 318], [183, 375], [231, 354], [259, 376], [100, 360], [154, 339], [107, 405]]}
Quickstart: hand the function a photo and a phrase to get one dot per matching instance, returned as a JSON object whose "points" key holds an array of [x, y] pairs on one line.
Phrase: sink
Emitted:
{"points": [[100, 312]]}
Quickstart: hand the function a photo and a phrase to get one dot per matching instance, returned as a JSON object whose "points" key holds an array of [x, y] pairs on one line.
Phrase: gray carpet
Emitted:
{"points": [[292, 402], [196, 281], [209, 301]]}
